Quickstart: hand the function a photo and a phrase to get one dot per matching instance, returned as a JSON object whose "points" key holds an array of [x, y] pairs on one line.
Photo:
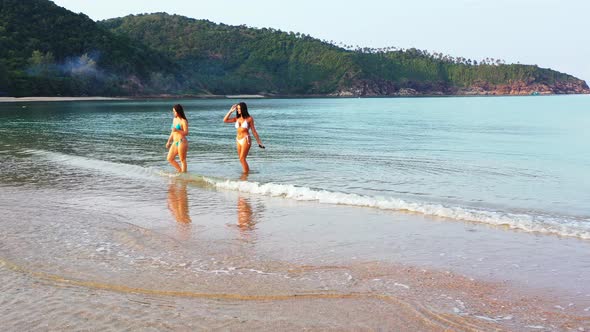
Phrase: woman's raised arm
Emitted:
{"points": [[227, 116]]}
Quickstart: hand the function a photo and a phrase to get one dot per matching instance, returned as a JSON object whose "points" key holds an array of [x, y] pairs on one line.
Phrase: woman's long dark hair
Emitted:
{"points": [[244, 110], [180, 111]]}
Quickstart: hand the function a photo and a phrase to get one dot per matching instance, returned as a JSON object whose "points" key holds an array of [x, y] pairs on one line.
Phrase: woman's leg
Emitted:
{"points": [[239, 148], [182, 149], [171, 155], [243, 153]]}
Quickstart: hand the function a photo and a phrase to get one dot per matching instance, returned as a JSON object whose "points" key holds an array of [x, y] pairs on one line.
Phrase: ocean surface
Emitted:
{"points": [[521, 162], [92, 215]]}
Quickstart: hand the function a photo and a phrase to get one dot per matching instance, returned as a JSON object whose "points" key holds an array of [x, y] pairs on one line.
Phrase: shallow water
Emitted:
{"points": [[87, 205], [521, 162]]}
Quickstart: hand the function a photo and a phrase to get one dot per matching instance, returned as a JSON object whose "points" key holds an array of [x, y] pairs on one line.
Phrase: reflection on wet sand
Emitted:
{"points": [[178, 202], [245, 221]]}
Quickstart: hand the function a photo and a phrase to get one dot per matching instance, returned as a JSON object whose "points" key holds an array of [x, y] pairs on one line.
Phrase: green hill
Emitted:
{"points": [[223, 59], [234, 59], [48, 50]]}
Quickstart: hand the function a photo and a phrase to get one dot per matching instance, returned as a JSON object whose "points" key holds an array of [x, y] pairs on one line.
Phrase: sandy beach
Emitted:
{"points": [[33, 99], [244, 96], [272, 263], [377, 297], [47, 99]]}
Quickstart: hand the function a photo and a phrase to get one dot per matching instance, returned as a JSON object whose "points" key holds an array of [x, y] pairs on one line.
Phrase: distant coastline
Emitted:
{"points": [[31, 99], [255, 96], [100, 98]]}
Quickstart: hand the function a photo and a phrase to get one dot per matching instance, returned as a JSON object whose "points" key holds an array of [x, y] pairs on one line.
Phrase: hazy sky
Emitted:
{"points": [[550, 33]]}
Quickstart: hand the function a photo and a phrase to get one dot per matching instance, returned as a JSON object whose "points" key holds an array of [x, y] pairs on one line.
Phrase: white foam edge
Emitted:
{"points": [[531, 223]]}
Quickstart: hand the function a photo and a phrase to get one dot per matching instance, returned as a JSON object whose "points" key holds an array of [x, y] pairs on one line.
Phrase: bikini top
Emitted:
{"points": [[178, 126], [243, 125]]}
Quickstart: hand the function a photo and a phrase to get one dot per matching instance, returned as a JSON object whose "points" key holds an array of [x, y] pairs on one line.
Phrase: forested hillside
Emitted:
{"points": [[232, 59], [50, 51], [238, 59]]}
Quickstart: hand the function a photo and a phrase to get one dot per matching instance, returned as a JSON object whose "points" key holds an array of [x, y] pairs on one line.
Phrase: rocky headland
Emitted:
{"points": [[376, 88]]}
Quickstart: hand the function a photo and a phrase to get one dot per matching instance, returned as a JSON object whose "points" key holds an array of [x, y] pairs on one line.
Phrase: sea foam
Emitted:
{"points": [[559, 225]]}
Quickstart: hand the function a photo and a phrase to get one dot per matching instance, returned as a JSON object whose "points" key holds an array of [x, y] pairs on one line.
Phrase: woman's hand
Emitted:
{"points": [[168, 145], [261, 146], [227, 116]]}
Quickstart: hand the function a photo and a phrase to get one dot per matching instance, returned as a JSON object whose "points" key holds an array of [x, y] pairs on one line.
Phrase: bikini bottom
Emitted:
{"points": [[181, 140], [244, 140]]}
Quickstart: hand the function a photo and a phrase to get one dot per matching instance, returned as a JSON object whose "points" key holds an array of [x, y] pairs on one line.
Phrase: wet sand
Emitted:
{"points": [[180, 256], [371, 296], [405, 298]]}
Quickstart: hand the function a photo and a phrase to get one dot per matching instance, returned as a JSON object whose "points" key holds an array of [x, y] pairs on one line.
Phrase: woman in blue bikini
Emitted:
{"points": [[244, 122], [177, 143]]}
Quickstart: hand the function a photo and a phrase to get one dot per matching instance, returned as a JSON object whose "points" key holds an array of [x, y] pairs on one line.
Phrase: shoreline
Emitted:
{"points": [[256, 96], [33, 99]]}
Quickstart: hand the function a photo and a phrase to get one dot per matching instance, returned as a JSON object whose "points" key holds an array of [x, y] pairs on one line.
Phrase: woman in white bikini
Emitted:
{"points": [[244, 122]]}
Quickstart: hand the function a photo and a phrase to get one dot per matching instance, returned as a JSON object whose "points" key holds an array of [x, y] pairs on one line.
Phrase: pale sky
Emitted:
{"points": [[549, 33]]}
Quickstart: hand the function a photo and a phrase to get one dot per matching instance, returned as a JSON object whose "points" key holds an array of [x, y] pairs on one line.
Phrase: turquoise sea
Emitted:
{"points": [[522, 162], [356, 209]]}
